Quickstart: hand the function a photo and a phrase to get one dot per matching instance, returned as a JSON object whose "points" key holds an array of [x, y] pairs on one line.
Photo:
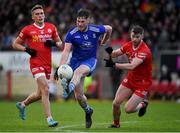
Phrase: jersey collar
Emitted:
{"points": [[39, 27], [138, 46], [85, 29]]}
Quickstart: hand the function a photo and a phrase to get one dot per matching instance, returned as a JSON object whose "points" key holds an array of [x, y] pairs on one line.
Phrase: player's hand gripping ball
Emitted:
{"points": [[65, 71]]}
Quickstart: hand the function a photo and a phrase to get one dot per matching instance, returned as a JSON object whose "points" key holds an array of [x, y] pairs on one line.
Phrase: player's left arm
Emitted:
{"points": [[58, 42], [130, 66], [107, 34]]}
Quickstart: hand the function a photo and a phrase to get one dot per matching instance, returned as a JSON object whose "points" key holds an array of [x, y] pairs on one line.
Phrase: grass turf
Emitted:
{"points": [[160, 117]]}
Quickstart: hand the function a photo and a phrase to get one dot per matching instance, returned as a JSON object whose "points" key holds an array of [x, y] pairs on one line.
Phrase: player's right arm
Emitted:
{"points": [[67, 48], [18, 44], [64, 58], [65, 53]]}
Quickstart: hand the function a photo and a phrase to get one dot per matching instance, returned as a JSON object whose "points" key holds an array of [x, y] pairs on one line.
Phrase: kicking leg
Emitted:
{"points": [[79, 73]]}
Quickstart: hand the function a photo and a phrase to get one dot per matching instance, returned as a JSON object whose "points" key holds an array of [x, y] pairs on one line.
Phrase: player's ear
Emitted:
{"points": [[88, 20], [44, 16], [32, 16], [142, 36]]}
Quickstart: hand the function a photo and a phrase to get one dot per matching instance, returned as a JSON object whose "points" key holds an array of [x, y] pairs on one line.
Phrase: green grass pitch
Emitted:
{"points": [[160, 117]]}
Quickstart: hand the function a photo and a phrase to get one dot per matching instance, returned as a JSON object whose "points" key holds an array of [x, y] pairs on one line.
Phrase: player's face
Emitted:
{"points": [[38, 16], [136, 38], [82, 23]]}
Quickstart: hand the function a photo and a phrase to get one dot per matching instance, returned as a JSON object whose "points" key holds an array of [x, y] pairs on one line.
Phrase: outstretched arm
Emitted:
{"points": [[107, 34], [130, 66], [113, 53], [116, 53]]}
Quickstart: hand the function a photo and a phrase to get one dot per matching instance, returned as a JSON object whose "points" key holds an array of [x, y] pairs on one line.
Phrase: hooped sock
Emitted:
{"points": [[71, 87]]}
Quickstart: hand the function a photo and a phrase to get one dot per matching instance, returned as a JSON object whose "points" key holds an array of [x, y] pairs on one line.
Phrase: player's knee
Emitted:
{"points": [[77, 74], [45, 90], [116, 103], [38, 94]]}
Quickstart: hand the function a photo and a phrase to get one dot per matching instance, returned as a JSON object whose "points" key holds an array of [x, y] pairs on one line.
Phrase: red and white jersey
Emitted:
{"points": [[35, 37], [142, 74]]}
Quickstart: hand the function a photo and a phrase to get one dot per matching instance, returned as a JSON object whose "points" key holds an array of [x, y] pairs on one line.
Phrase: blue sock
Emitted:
{"points": [[71, 87], [87, 109]]}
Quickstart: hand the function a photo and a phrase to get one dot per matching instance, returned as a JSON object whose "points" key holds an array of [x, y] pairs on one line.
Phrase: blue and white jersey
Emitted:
{"points": [[84, 44]]}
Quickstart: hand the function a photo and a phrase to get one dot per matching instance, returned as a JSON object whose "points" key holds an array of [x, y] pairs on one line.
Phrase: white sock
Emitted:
{"points": [[49, 118], [140, 106], [22, 104]]}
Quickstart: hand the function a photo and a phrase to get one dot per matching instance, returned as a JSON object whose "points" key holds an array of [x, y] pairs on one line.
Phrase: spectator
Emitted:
{"points": [[165, 74]]}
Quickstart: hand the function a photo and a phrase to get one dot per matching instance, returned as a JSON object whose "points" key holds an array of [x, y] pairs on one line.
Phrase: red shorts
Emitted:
{"points": [[139, 88], [38, 71]]}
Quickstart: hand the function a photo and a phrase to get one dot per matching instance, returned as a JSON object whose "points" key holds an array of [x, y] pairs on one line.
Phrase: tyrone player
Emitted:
{"points": [[39, 37], [138, 80]]}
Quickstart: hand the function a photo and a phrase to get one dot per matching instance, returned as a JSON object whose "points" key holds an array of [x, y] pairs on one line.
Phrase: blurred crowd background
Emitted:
{"points": [[160, 19]]}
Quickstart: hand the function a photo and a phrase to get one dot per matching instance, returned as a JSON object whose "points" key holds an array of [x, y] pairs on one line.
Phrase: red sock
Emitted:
{"points": [[116, 122]]}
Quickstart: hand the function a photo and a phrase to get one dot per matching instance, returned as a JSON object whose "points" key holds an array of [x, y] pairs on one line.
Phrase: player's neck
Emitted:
{"points": [[39, 25], [85, 29], [136, 45]]}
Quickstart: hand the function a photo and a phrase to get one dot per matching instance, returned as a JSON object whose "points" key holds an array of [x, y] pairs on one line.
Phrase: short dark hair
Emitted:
{"points": [[36, 7], [83, 13], [137, 29]]}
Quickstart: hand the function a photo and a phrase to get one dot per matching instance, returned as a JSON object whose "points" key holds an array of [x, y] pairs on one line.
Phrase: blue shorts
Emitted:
{"points": [[91, 63]]}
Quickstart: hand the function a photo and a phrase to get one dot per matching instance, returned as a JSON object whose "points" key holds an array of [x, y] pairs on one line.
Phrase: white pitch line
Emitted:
{"points": [[94, 125], [177, 120], [79, 125]]}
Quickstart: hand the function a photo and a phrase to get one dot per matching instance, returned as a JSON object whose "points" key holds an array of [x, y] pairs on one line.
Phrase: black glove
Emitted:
{"points": [[56, 74], [109, 50], [31, 52], [109, 63], [49, 43]]}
